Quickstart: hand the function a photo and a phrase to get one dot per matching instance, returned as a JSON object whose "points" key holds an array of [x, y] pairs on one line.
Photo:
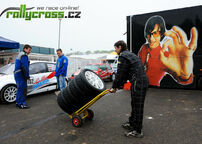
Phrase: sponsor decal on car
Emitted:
{"points": [[43, 81]]}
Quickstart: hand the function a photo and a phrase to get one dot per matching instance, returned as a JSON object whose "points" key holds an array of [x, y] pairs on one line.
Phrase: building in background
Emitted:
{"points": [[38, 53]]}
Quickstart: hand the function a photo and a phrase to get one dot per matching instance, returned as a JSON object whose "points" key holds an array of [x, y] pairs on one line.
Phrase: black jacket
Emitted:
{"points": [[130, 68]]}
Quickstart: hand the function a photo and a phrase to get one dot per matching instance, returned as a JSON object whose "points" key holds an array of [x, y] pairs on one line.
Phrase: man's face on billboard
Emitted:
{"points": [[154, 37]]}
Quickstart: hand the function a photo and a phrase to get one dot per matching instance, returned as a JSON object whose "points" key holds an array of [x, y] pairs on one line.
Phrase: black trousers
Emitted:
{"points": [[138, 94]]}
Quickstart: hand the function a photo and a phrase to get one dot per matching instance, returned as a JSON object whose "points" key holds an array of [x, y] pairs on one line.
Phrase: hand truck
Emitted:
{"points": [[77, 120]]}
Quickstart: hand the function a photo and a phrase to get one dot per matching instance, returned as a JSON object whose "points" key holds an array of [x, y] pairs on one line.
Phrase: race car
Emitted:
{"points": [[41, 80], [104, 70]]}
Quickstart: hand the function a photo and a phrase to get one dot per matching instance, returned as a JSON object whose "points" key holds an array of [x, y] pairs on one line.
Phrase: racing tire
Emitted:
{"points": [[87, 92], [90, 82], [74, 104], [63, 104], [76, 121], [8, 94], [80, 90], [77, 94], [200, 83], [76, 91]]}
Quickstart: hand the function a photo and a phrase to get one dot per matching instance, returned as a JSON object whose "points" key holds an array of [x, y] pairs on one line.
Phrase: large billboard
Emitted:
{"points": [[169, 44]]}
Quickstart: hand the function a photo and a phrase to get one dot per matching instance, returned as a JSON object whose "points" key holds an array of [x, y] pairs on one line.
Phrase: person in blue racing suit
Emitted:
{"points": [[61, 69], [21, 74]]}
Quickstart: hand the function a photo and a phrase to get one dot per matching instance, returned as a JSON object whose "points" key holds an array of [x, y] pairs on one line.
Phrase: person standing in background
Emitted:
{"points": [[10, 60], [61, 69], [21, 74]]}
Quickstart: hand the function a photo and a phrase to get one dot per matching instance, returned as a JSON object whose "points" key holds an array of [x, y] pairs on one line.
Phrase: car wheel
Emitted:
{"points": [[8, 94]]}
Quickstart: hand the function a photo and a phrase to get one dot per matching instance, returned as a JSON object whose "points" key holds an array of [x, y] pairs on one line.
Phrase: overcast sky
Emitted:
{"points": [[102, 22]]}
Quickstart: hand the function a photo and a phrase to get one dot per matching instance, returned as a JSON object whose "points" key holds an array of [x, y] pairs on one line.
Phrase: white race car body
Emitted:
{"points": [[42, 79]]}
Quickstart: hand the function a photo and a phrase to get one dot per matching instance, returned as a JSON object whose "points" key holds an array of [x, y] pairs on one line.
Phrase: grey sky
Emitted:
{"points": [[101, 24]]}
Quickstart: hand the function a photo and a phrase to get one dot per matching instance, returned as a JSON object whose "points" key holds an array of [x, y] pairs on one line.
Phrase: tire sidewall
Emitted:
{"points": [[82, 76]]}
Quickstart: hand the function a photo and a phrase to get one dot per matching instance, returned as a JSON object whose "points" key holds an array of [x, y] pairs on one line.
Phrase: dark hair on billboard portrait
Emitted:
{"points": [[150, 24]]}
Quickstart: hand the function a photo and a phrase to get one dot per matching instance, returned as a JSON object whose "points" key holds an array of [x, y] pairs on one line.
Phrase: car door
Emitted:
{"points": [[38, 76], [103, 71], [52, 79], [109, 71]]}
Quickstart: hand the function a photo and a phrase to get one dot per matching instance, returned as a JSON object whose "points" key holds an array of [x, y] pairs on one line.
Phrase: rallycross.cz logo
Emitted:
{"points": [[42, 12]]}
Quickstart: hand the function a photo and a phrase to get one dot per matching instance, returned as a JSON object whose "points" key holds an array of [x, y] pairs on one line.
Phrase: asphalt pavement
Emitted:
{"points": [[171, 116]]}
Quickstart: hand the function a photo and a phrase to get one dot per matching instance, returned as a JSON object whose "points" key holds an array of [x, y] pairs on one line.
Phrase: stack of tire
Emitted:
{"points": [[80, 90]]}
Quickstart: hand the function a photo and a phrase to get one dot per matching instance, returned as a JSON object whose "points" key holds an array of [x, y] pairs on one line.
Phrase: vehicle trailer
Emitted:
{"points": [[176, 62]]}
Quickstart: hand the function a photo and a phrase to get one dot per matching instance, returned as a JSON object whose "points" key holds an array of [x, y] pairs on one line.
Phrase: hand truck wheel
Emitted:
{"points": [[90, 114], [77, 121]]}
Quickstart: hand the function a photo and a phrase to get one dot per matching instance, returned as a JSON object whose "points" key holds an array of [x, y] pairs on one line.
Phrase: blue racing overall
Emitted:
{"points": [[21, 74], [61, 71]]}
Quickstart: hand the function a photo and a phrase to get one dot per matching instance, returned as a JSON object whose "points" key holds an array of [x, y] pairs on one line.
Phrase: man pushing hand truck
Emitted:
{"points": [[131, 68]]}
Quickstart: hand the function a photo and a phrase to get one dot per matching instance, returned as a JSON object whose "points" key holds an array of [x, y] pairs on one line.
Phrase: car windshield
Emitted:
{"points": [[114, 65], [110, 61], [92, 67], [7, 69]]}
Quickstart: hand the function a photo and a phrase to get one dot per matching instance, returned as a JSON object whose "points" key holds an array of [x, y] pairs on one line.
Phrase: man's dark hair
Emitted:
{"points": [[27, 46], [59, 50], [150, 24], [122, 44]]}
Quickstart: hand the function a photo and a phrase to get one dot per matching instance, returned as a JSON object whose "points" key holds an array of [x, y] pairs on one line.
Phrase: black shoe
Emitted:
{"points": [[22, 106], [18, 105], [127, 126], [133, 133]]}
